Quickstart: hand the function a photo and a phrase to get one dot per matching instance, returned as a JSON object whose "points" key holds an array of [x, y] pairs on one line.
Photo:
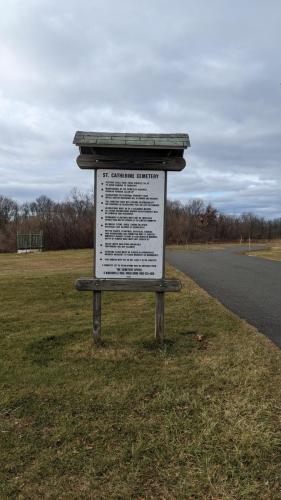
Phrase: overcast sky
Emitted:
{"points": [[208, 68]]}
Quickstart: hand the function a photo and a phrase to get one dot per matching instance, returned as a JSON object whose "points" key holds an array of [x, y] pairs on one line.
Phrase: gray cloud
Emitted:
{"points": [[209, 69]]}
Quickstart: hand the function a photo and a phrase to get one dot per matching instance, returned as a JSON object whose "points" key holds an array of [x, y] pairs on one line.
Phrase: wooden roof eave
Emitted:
{"points": [[135, 141]]}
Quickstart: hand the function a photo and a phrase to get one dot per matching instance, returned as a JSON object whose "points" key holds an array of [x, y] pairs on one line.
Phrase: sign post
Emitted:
{"points": [[130, 201]]}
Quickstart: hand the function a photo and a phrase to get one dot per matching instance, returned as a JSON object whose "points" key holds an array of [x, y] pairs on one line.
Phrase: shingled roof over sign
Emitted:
{"points": [[126, 140]]}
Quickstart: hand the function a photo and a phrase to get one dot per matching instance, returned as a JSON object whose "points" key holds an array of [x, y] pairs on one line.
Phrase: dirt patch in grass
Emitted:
{"points": [[199, 418]]}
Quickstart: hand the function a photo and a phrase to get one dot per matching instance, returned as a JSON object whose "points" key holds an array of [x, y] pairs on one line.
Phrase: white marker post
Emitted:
{"points": [[130, 200]]}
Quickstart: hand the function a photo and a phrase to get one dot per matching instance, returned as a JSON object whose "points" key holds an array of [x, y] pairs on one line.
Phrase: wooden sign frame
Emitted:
{"points": [[155, 152]]}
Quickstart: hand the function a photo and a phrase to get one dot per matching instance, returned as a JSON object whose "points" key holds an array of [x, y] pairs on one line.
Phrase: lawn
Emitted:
{"points": [[199, 418], [271, 253], [198, 246]]}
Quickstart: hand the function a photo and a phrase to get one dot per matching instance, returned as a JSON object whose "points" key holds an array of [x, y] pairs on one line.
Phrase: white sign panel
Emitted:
{"points": [[129, 224]]}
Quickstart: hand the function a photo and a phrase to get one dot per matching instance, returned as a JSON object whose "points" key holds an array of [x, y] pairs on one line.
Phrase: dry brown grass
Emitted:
{"points": [[49, 262], [271, 253], [196, 419]]}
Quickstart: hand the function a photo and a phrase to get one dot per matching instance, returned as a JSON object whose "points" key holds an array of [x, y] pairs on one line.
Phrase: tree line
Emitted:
{"points": [[70, 223]]}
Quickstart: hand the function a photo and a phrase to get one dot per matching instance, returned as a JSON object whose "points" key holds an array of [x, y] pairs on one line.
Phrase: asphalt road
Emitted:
{"points": [[248, 286]]}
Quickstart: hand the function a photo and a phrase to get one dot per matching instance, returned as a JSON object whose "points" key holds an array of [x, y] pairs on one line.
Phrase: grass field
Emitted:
{"points": [[198, 246], [271, 253], [200, 418]]}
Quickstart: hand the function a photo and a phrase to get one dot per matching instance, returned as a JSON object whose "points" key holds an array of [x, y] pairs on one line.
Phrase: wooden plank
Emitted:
{"points": [[105, 154], [114, 143], [94, 158], [159, 317], [97, 317], [90, 162], [136, 140], [129, 285], [80, 135]]}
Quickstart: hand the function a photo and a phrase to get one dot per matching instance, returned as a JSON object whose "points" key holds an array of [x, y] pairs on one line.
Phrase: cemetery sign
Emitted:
{"points": [[130, 200], [129, 237]]}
